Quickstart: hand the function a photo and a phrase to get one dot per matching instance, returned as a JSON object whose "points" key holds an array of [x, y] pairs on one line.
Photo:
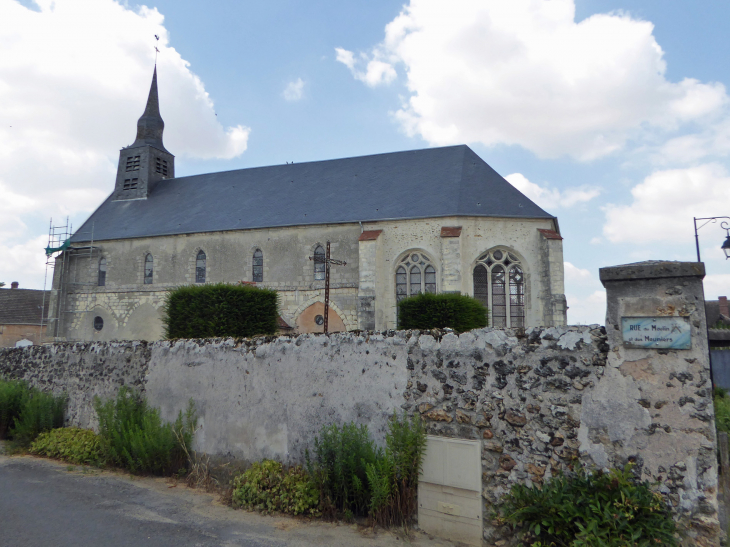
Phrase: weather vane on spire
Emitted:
{"points": [[156, 50]]}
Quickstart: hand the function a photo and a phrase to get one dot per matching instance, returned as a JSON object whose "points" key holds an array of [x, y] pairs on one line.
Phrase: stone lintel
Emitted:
{"points": [[370, 235], [651, 269], [450, 231]]}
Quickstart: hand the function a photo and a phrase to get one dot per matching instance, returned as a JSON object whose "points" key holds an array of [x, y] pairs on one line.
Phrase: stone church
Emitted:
{"points": [[435, 220]]}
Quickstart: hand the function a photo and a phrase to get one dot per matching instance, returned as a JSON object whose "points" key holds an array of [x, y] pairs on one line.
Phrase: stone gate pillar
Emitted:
{"points": [[653, 404]]}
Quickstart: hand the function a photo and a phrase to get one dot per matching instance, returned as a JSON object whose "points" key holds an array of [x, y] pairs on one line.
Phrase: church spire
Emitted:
{"points": [[150, 124], [146, 161]]}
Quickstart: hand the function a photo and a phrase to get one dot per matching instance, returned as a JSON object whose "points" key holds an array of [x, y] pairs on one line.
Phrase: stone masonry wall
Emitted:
{"points": [[523, 393]]}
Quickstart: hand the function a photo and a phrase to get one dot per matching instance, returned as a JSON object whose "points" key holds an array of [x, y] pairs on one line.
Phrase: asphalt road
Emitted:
{"points": [[49, 504]]}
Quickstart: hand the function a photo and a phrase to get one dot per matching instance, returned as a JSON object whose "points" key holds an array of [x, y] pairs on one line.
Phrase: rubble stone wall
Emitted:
{"points": [[539, 399]]}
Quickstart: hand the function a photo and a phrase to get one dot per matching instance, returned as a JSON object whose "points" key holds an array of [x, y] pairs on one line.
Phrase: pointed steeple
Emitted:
{"points": [[150, 124], [145, 162]]}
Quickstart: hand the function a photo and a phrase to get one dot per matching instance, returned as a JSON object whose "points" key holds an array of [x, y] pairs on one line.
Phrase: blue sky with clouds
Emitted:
{"points": [[613, 115]]}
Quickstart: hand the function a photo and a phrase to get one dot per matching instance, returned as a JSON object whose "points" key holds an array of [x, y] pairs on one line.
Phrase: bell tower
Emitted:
{"points": [[146, 161]]}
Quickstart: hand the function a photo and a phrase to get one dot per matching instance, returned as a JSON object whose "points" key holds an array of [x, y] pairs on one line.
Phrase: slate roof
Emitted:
{"points": [[22, 306], [435, 182]]}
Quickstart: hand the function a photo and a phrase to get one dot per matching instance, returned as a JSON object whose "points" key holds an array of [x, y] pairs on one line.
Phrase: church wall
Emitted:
{"points": [[478, 235], [125, 303], [131, 309]]}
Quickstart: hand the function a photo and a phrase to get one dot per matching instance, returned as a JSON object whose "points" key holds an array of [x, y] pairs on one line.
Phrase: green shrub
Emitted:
{"points": [[393, 478], [13, 394], [338, 466], [79, 446], [722, 409], [438, 311], [590, 510], [135, 438], [40, 412], [209, 311], [268, 487]]}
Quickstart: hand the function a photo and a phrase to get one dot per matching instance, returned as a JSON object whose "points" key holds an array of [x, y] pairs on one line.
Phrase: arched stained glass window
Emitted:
{"points": [[102, 272], [481, 284], [258, 266], [499, 303], [414, 275], [506, 303], [148, 269], [200, 267], [319, 265], [415, 281], [516, 297], [401, 284], [430, 279]]}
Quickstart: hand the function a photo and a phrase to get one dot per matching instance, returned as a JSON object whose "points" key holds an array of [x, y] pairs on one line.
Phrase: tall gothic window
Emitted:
{"points": [[200, 267], [102, 272], [319, 264], [516, 297], [258, 266], [414, 275], [148, 269], [499, 284]]}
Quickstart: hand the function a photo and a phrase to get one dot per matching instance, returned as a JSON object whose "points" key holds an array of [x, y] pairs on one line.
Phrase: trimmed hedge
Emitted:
{"points": [[221, 310], [438, 311]]}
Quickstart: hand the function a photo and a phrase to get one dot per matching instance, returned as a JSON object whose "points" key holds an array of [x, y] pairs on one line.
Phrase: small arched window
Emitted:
{"points": [[102, 272], [258, 266], [200, 267], [148, 269], [492, 274], [319, 265], [414, 275]]}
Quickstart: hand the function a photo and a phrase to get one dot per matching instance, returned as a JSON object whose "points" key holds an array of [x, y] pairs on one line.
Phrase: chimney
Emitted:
{"points": [[724, 308], [14, 285]]}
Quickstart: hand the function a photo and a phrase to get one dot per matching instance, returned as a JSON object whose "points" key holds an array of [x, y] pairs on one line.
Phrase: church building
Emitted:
{"points": [[435, 220]]}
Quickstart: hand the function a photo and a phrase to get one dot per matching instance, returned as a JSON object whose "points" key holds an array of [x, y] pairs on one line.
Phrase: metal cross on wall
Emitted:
{"points": [[327, 261]]}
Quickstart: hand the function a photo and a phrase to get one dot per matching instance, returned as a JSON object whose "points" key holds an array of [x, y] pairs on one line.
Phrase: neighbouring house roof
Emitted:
{"points": [[22, 306], [435, 182]]}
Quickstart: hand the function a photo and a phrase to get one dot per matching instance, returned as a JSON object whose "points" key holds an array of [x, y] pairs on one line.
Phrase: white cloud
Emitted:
{"points": [[74, 78], [666, 201], [716, 285], [345, 57], [552, 198], [293, 90], [525, 73], [711, 141], [587, 310], [25, 262], [574, 274], [376, 71]]}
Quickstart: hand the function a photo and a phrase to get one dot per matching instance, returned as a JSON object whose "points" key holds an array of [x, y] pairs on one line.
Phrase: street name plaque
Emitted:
{"points": [[656, 332]]}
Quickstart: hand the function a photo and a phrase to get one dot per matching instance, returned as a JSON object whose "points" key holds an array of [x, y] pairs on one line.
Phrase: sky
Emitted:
{"points": [[613, 115]]}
